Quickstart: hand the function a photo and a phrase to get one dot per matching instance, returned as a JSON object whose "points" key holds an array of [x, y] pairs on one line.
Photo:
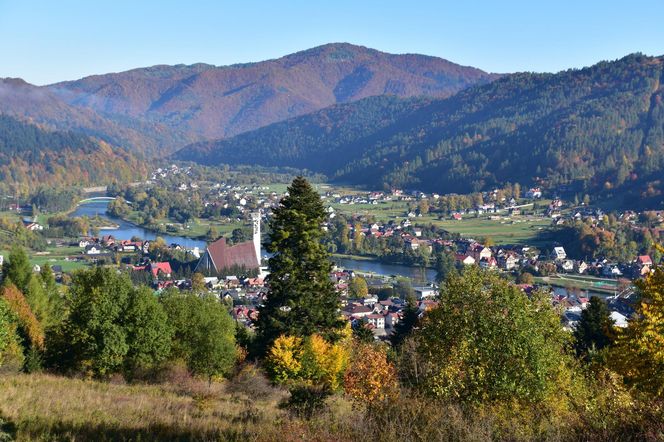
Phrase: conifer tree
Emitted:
{"points": [[301, 300], [595, 329], [407, 323]]}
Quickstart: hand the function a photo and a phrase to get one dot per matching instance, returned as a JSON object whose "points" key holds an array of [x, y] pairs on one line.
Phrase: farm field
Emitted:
{"points": [[515, 230]]}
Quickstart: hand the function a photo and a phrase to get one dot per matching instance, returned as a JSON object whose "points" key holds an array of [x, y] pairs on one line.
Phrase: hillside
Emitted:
{"points": [[38, 104], [33, 156], [208, 102], [598, 129]]}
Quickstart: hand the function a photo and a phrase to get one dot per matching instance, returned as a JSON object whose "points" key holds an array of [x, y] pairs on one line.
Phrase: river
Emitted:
{"points": [[128, 230]]}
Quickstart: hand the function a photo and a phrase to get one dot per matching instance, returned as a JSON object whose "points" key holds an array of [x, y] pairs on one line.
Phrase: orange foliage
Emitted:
{"points": [[27, 320], [370, 376]]}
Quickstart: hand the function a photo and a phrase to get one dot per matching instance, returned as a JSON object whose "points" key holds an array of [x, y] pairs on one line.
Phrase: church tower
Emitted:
{"points": [[256, 223]]}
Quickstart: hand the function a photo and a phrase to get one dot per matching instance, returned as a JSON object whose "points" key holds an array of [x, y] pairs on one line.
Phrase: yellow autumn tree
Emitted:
{"points": [[639, 351], [370, 376], [312, 361], [283, 360]]}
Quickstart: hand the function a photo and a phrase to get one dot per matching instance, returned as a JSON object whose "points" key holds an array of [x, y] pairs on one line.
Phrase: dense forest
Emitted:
{"points": [[598, 129], [32, 157]]}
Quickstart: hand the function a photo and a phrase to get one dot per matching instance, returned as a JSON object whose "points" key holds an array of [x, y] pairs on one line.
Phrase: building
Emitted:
{"points": [[220, 256]]}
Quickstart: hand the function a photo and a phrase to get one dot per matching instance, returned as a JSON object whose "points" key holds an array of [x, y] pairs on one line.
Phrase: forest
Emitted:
{"points": [[32, 157], [596, 130]]}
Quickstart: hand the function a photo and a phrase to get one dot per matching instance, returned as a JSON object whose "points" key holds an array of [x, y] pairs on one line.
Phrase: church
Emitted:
{"points": [[220, 256]]}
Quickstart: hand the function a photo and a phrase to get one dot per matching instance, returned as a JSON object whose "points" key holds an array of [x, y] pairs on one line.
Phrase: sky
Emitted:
{"points": [[49, 41]]}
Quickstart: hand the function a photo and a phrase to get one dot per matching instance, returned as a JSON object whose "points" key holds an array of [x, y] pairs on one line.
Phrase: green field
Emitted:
{"points": [[515, 230], [55, 256], [580, 282]]}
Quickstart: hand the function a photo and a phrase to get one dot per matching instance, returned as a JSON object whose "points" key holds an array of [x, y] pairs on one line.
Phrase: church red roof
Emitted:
{"points": [[225, 256]]}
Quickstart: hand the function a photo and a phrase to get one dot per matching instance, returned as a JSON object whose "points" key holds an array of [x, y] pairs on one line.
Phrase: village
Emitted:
{"points": [[235, 269]]}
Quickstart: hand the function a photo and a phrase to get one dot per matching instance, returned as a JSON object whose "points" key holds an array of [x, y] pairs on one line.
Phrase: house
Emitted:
{"points": [[378, 321], [488, 263], [92, 249], [425, 292], [391, 320], [644, 264], [611, 270], [33, 226], [558, 253], [534, 193], [509, 261], [160, 270], [465, 259], [479, 252], [358, 311], [581, 267], [567, 265]]}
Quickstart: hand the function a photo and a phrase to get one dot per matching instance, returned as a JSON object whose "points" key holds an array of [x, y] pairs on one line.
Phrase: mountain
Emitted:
{"points": [[208, 102], [39, 104], [598, 129], [32, 156]]}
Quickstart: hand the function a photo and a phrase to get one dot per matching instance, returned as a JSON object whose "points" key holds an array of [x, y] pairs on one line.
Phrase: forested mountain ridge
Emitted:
{"points": [[31, 156], [595, 129], [208, 102], [40, 105], [323, 140]]}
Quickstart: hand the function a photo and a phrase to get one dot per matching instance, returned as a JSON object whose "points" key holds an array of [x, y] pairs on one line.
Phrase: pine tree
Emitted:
{"points": [[595, 329], [301, 300], [407, 323]]}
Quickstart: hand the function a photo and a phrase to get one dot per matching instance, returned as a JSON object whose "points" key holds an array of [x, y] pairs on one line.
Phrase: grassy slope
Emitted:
{"points": [[45, 407]]}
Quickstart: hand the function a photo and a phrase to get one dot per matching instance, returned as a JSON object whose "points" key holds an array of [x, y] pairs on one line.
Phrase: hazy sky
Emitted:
{"points": [[53, 40]]}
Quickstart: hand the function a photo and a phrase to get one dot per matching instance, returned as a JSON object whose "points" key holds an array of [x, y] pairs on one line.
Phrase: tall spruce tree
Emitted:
{"points": [[301, 300], [595, 329], [408, 322]]}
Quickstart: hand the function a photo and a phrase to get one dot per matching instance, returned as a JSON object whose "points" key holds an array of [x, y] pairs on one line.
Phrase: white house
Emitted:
{"points": [[377, 321], [558, 253], [425, 292]]}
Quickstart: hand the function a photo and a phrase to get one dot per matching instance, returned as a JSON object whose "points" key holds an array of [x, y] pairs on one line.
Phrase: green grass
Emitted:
{"points": [[518, 230], [55, 256], [580, 282]]}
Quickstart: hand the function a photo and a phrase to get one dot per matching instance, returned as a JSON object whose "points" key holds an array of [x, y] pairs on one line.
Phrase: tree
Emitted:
{"points": [[38, 299], [488, 341], [311, 361], [358, 287], [301, 299], [445, 265], [147, 329], [238, 236], [358, 238], [638, 353], [110, 325], [203, 333], [370, 376], [405, 326], [595, 329], [362, 333], [10, 348], [526, 278], [16, 268], [198, 283]]}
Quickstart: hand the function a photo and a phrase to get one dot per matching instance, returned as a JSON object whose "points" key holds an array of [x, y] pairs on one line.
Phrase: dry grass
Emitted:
{"points": [[46, 407]]}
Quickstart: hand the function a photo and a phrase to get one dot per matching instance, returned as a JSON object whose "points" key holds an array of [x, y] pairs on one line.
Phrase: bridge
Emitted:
{"points": [[97, 199]]}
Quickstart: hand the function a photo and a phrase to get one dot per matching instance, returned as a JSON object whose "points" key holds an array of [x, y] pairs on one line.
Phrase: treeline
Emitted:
{"points": [[607, 238], [100, 324], [31, 157], [594, 131]]}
